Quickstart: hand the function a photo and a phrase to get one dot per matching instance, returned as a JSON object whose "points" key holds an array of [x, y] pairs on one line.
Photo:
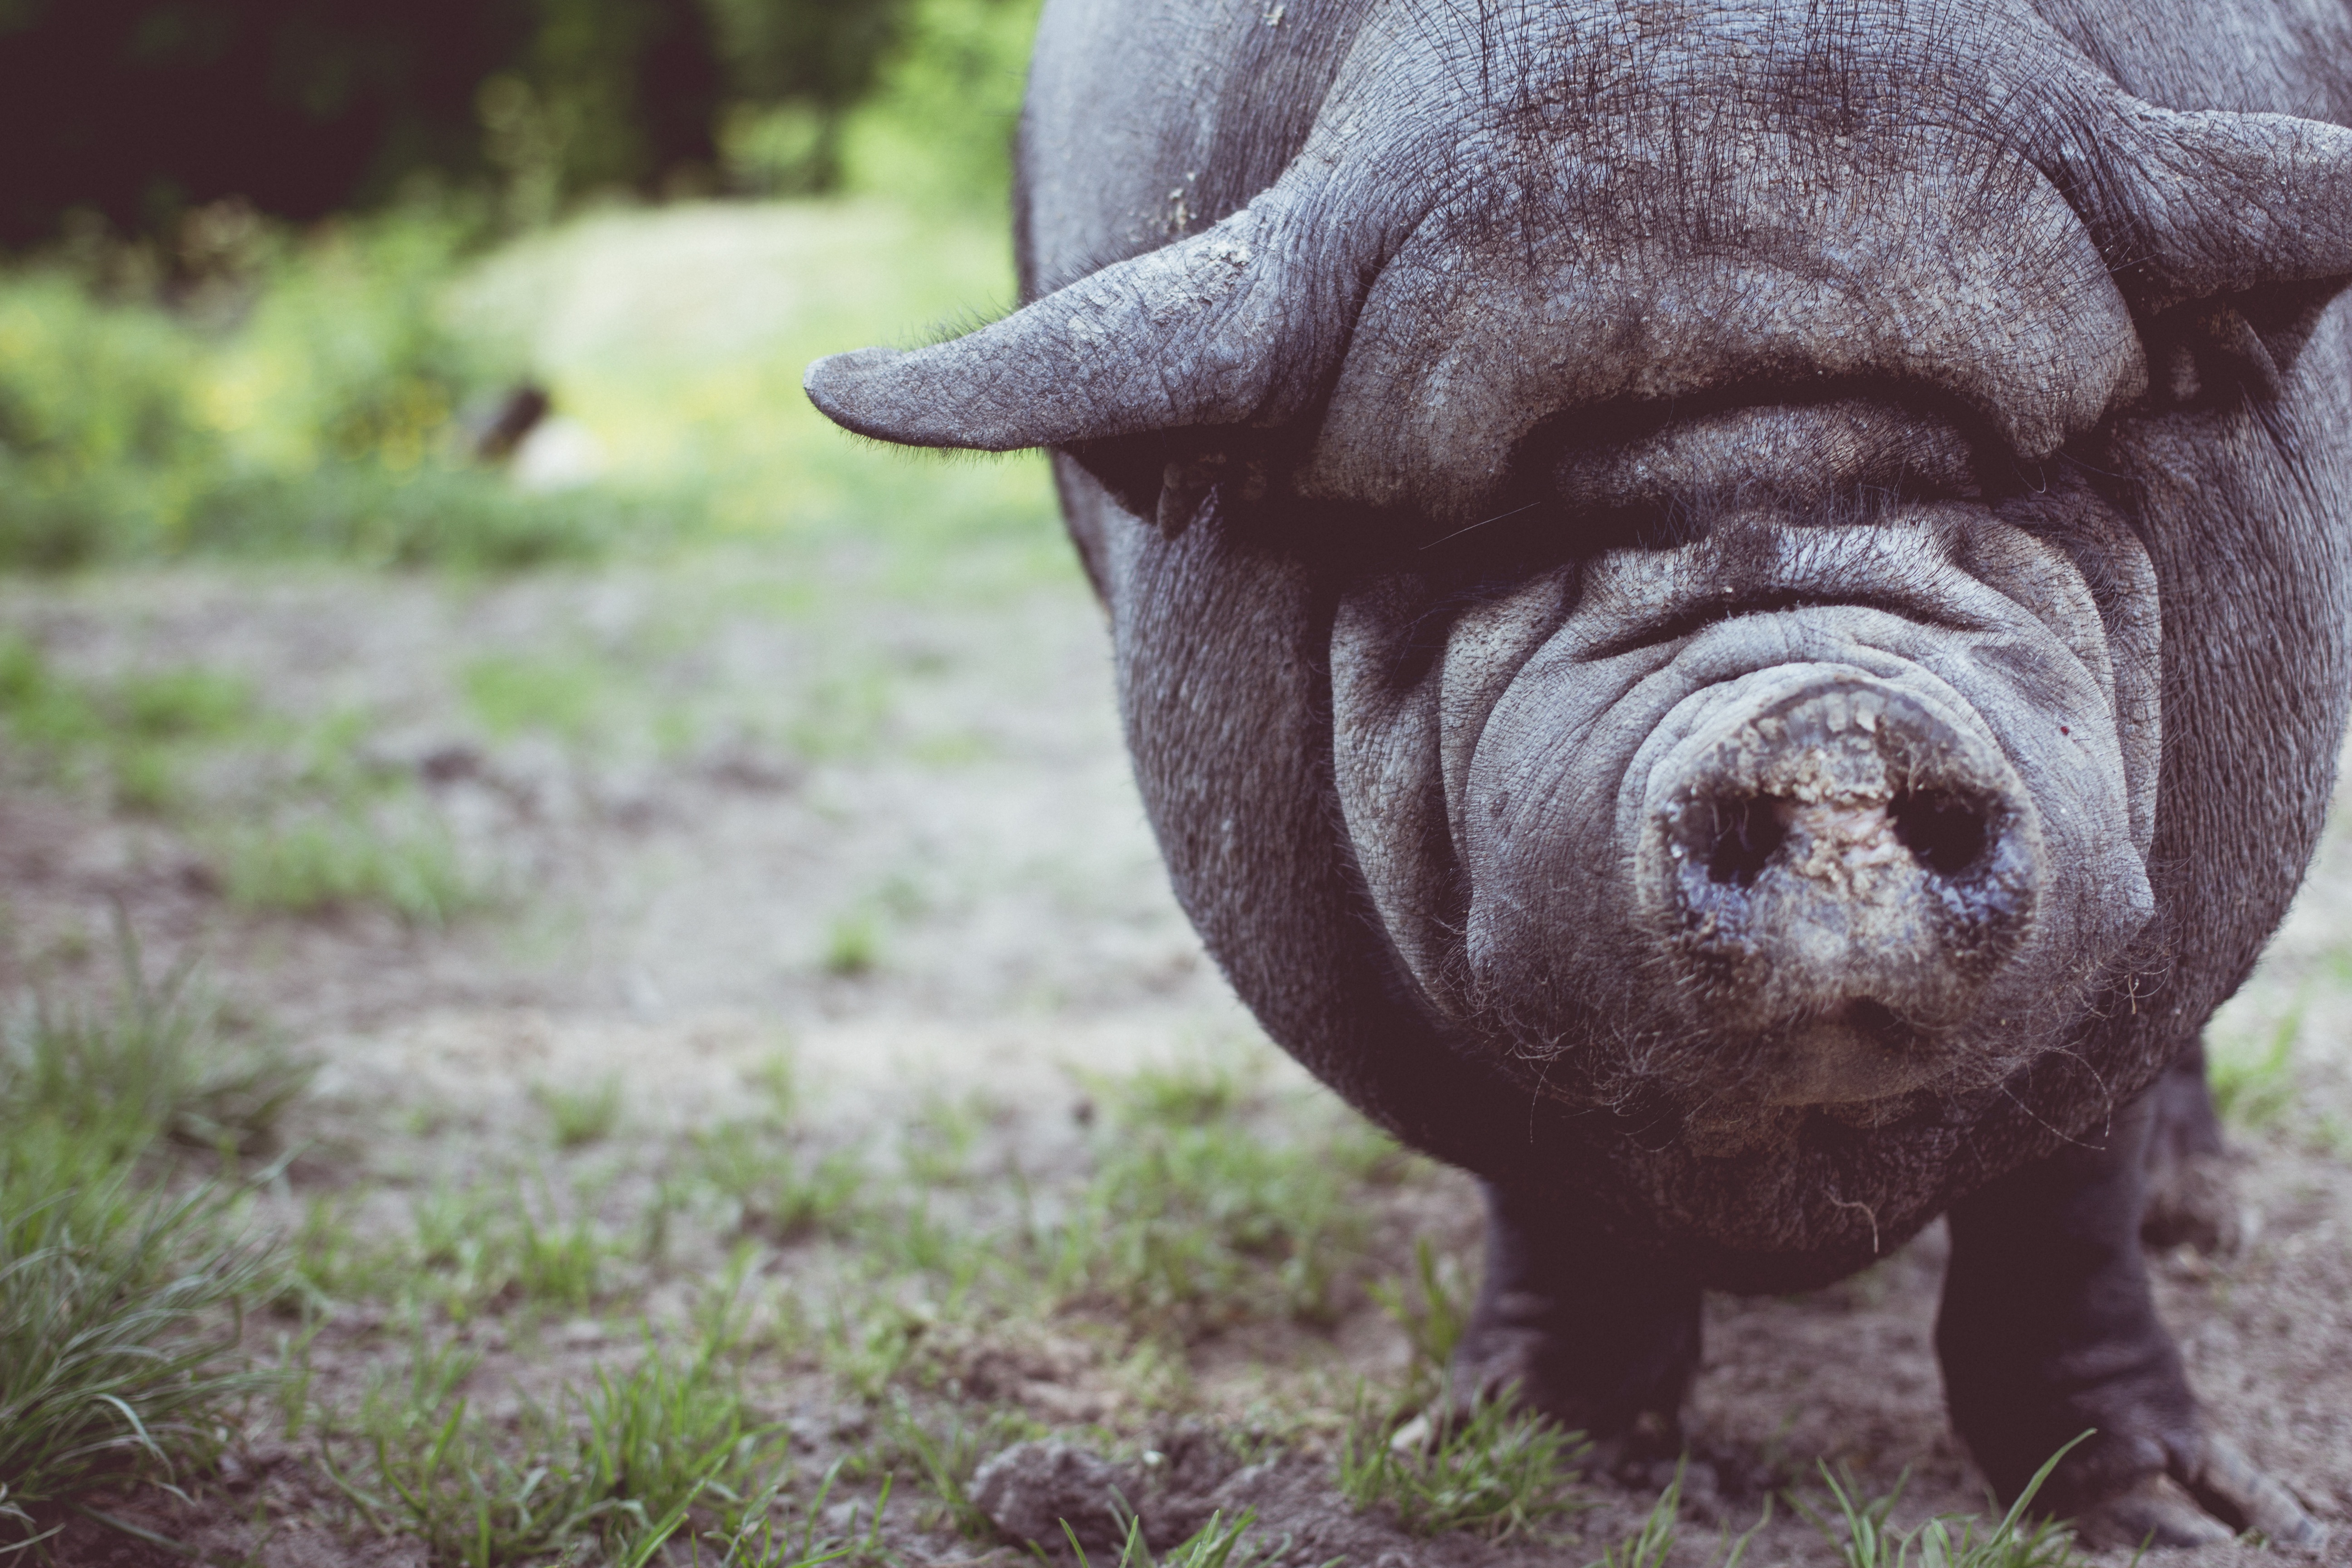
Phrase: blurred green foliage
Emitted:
{"points": [[253, 389], [324, 421]]}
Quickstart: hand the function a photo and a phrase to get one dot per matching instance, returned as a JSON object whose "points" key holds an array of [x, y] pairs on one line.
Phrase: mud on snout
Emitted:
{"points": [[1834, 866]]}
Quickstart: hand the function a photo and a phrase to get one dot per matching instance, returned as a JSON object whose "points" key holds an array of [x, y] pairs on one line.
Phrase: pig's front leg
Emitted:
{"points": [[2048, 1331], [2189, 1194], [1602, 1343]]}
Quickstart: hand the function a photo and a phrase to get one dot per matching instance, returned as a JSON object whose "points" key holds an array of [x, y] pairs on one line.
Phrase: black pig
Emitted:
{"points": [[1733, 615]]}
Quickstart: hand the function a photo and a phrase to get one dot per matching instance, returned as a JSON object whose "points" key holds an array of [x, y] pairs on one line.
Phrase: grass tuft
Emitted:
{"points": [[487, 1246], [852, 945], [1216, 1544], [584, 1116], [154, 1064], [2253, 1088], [777, 1193], [944, 1454], [1189, 1223], [1865, 1538], [626, 1466], [758, 1542], [120, 1306], [118, 1320], [1500, 1472], [321, 862], [1652, 1540], [1433, 1317]]}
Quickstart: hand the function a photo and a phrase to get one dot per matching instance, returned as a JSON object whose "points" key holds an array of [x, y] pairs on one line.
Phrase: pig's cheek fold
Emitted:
{"points": [[1549, 875], [1406, 721]]}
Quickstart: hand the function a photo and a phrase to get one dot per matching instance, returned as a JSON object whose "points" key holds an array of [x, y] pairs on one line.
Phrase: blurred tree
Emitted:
{"points": [[141, 109], [144, 111], [797, 66]]}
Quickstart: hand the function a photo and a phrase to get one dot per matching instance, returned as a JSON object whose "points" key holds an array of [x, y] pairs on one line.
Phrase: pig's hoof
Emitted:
{"points": [[2193, 1200], [2204, 1507], [1628, 1417], [2155, 1512]]}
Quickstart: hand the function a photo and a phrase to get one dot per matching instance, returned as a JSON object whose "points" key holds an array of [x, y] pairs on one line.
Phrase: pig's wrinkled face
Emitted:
{"points": [[1820, 807], [1782, 731]]}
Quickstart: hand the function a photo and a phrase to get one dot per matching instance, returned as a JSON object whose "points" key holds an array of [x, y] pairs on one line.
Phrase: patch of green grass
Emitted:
{"points": [[2253, 1082], [489, 1246], [1498, 1472], [322, 421], [117, 1312], [119, 1302], [43, 712], [2331, 1134], [1216, 1544], [1195, 1217], [316, 863], [936, 1145], [955, 749], [1861, 1530], [852, 945], [172, 704], [99, 433], [776, 1190], [867, 1343], [760, 1543], [134, 738], [958, 1254], [1652, 1540], [155, 1063], [578, 1117], [1433, 1312], [776, 1081], [944, 1453], [673, 1446], [511, 695], [158, 717], [331, 1262], [428, 513], [322, 830], [1187, 1094]]}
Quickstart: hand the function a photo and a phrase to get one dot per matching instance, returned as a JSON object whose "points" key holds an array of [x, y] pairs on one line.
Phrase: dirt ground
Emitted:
{"points": [[664, 921]]}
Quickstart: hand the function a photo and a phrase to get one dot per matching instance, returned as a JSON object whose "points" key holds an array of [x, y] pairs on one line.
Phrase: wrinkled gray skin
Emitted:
{"points": [[1732, 616]]}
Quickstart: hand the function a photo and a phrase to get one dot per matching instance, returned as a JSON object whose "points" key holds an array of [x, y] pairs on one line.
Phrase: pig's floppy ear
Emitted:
{"points": [[2189, 206], [1204, 332]]}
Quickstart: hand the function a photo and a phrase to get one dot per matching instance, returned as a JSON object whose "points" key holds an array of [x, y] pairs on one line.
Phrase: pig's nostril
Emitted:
{"points": [[1747, 833], [1944, 832]]}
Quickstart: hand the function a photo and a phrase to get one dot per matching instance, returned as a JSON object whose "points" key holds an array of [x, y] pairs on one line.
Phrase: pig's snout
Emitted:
{"points": [[1838, 867], [1838, 840]]}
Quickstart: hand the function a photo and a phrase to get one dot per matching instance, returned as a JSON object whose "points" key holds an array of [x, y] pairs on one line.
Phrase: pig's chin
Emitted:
{"points": [[1789, 818], [1854, 1059]]}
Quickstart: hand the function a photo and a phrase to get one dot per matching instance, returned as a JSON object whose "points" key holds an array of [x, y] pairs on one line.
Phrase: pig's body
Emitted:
{"points": [[1733, 619]]}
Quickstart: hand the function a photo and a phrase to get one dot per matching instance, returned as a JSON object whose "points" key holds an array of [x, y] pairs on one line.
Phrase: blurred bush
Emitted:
{"points": [[226, 382], [318, 417], [936, 128]]}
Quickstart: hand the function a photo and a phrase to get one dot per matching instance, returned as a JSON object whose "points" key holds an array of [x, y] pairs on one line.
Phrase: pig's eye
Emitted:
{"points": [[2213, 353], [1659, 478]]}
